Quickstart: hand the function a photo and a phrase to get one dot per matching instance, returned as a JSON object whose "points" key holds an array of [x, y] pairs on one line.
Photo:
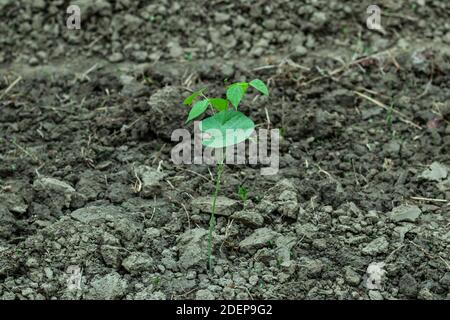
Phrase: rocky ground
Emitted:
{"points": [[360, 208]]}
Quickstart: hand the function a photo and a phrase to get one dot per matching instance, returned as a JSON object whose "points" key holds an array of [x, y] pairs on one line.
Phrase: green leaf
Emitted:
{"points": [[243, 85], [234, 94], [260, 86], [226, 128], [219, 104], [188, 101], [198, 108], [242, 191]]}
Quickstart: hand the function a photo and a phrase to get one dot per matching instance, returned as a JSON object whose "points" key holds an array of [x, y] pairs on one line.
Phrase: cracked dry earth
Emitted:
{"points": [[91, 206]]}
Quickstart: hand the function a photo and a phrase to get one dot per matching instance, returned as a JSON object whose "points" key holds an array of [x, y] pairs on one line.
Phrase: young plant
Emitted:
{"points": [[243, 195], [224, 128]]}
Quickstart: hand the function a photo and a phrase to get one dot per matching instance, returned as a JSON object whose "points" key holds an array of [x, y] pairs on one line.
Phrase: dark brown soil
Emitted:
{"points": [[365, 147]]}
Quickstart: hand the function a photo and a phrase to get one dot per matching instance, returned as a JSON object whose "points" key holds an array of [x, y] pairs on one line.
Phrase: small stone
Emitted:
{"points": [[307, 230], [318, 19], [4, 3], [425, 294], [204, 295], [132, 21], [288, 204], [229, 42], [9, 263], [130, 86], [227, 70], [38, 4], [300, 51], [221, 17], [281, 197], [55, 187], [253, 280], [140, 55], [375, 295], [224, 206], [27, 292], [118, 192], [229, 293], [310, 267], [7, 295], [8, 223], [402, 230], [218, 270], [115, 57], [48, 273], [352, 277], [175, 50], [138, 262], [445, 280], [96, 214], [258, 239], [151, 180], [270, 24], [242, 295], [34, 61], [319, 244], [31, 262], [408, 286], [42, 55], [165, 116], [257, 51], [53, 184], [377, 246], [168, 261], [250, 218], [436, 172], [444, 185], [298, 39], [152, 233], [192, 245], [108, 287], [392, 148], [158, 295], [111, 255], [100, 7], [406, 213], [284, 245], [191, 275], [148, 294], [446, 38]]}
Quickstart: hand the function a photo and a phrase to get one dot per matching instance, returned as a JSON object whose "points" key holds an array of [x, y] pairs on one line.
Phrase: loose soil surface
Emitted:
{"points": [[360, 208]]}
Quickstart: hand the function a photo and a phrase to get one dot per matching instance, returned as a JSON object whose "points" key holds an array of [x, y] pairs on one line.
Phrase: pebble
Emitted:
{"points": [[204, 295], [408, 213], [115, 57], [108, 287], [377, 246], [375, 295], [258, 239], [408, 286]]}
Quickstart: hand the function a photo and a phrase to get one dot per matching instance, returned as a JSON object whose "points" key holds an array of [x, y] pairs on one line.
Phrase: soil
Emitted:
{"points": [[360, 208]]}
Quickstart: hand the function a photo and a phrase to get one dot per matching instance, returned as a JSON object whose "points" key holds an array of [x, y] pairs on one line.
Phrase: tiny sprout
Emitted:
{"points": [[216, 130], [242, 192]]}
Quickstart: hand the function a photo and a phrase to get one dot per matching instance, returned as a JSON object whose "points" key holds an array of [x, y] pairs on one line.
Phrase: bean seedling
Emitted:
{"points": [[224, 128]]}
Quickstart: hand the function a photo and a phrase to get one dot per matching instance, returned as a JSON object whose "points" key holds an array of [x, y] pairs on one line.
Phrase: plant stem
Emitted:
{"points": [[212, 220]]}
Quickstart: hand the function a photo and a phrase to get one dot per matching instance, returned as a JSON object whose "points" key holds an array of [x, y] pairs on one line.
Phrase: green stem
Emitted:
{"points": [[210, 105], [212, 220]]}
